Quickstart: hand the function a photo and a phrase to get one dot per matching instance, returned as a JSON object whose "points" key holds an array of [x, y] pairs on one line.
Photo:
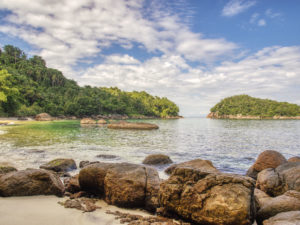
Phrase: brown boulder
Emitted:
{"points": [[30, 182], [199, 164], [277, 181], [72, 184], [294, 159], [101, 121], [87, 121], [284, 218], [122, 184], [133, 126], [157, 159], [43, 117], [289, 201], [266, 159], [60, 165], [260, 198], [209, 198], [4, 168]]}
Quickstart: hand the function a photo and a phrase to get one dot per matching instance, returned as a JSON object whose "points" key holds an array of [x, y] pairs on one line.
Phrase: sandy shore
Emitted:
{"points": [[45, 210]]}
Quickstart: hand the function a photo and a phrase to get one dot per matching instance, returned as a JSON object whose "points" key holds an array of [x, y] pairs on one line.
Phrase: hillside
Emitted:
{"points": [[247, 107], [29, 87]]}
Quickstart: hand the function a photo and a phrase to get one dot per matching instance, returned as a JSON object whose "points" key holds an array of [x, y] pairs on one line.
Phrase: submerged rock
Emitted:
{"points": [[157, 159], [199, 164], [134, 126], [266, 159], [30, 182], [60, 165], [43, 117], [122, 184], [209, 198], [104, 156]]}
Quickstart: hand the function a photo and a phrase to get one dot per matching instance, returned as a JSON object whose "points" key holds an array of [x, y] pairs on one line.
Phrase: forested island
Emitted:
{"points": [[247, 107], [28, 87]]}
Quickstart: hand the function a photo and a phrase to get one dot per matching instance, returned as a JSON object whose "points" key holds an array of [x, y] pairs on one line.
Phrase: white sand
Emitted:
{"points": [[44, 210]]}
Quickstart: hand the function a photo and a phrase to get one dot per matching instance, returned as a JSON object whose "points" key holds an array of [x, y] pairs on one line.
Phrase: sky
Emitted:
{"points": [[195, 52]]}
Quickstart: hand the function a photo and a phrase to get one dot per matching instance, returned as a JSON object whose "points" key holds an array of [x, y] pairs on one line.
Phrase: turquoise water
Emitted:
{"points": [[232, 145]]}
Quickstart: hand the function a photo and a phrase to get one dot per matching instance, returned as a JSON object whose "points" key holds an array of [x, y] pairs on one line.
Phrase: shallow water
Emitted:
{"points": [[232, 145]]}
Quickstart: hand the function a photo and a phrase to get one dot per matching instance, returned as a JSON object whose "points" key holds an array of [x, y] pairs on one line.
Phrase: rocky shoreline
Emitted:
{"points": [[195, 193], [215, 115]]}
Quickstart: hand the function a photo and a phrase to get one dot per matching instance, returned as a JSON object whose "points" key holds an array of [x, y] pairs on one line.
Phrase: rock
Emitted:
{"points": [[289, 201], [83, 163], [260, 198], [209, 198], [285, 218], [72, 184], [294, 159], [84, 204], [266, 159], [30, 182], [277, 181], [60, 165], [43, 117], [5, 168], [134, 126], [87, 121], [157, 159], [101, 121], [121, 184], [199, 164], [103, 156]]}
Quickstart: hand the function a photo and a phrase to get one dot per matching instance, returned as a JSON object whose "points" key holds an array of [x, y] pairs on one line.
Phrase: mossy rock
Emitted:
{"points": [[60, 165]]}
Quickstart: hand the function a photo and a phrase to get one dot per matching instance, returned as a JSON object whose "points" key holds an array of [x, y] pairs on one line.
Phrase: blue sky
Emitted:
{"points": [[195, 52]]}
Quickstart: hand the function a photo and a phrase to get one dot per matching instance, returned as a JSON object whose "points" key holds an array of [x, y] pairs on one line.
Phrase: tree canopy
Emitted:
{"points": [[249, 106], [29, 87]]}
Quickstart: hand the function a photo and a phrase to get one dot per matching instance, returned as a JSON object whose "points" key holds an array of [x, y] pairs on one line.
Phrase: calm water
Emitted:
{"points": [[232, 145]]}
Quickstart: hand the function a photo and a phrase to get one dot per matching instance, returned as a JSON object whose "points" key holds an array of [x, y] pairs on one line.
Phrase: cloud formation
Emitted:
{"points": [[234, 7]]}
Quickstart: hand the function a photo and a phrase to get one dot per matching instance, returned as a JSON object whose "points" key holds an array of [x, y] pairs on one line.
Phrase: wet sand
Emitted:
{"points": [[45, 210]]}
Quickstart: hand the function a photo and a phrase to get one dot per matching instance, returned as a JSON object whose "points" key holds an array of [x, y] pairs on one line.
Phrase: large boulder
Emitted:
{"points": [[43, 117], [157, 159], [87, 121], [277, 181], [30, 182], [199, 164], [208, 198], [266, 159], [122, 184], [289, 201], [60, 165], [133, 126], [284, 218]]}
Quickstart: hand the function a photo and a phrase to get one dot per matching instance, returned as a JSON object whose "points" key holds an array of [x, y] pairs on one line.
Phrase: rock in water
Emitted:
{"points": [[30, 182], [266, 159], [133, 126], [199, 164], [5, 168], [294, 159], [43, 117], [277, 181], [285, 218], [87, 121], [157, 159], [60, 165], [101, 121], [209, 198]]}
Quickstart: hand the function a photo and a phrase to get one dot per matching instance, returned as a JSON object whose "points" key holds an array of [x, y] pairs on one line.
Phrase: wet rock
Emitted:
{"points": [[101, 121], [277, 181], [43, 117], [294, 159], [83, 204], [60, 165], [157, 159], [6, 168], [30, 182], [121, 184], [103, 156], [285, 218], [134, 126], [83, 163], [87, 121], [266, 159], [72, 184], [289, 201], [209, 198], [199, 164]]}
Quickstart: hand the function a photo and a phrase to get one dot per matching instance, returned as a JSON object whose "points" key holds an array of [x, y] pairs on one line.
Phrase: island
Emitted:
{"points": [[247, 107], [28, 87]]}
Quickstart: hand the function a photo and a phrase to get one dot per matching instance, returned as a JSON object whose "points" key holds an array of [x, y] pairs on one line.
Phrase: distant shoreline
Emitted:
{"points": [[214, 115]]}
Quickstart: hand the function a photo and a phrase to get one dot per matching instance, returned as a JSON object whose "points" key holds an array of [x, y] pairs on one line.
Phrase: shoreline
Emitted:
{"points": [[214, 115]]}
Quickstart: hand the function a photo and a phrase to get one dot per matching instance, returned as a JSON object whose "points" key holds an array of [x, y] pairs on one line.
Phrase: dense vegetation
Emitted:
{"points": [[28, 87], [249, 106]]}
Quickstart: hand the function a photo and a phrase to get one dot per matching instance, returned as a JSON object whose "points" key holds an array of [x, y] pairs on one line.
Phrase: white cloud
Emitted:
{"points": [[254, 17], [234, 7], [262, 23], [271, 14]]}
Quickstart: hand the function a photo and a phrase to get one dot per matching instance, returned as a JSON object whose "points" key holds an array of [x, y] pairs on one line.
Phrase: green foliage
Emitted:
{"points": [[246, 105], [29, 87]]}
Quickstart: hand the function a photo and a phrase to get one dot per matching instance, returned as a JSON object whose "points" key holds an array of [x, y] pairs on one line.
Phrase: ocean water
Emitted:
{"points": [[232, 145]]}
